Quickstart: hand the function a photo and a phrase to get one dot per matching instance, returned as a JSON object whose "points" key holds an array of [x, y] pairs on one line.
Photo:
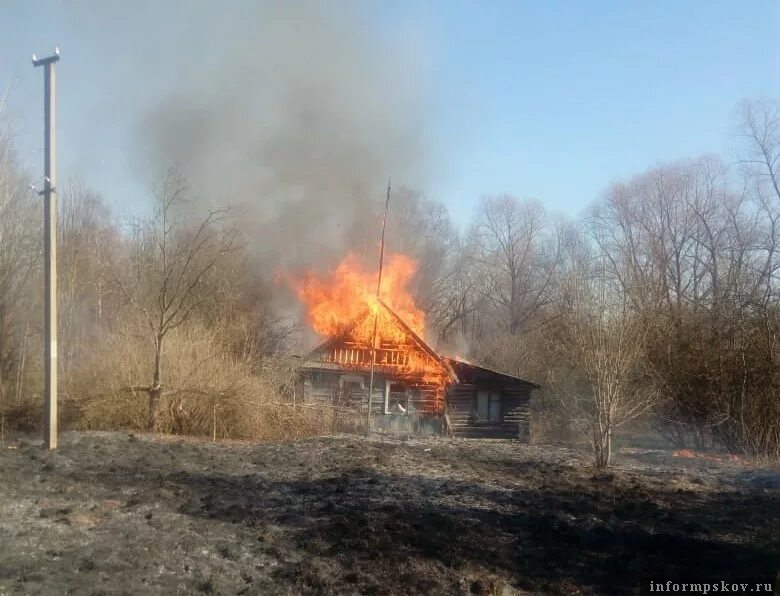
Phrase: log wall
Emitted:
{"points": [[461, 405], [428, 399], [324, 387]]}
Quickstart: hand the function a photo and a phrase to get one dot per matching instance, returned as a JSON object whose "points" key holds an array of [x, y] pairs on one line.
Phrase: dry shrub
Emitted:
{"points": [[24, 416], [549, 423], [100, 379], [550, 428], [208, 391]]}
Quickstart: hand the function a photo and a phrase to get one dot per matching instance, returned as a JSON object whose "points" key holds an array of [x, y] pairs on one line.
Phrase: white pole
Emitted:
{"points": [[49, 249]]}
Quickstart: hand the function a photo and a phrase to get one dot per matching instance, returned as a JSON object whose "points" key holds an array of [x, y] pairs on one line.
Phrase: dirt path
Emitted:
{"points": [[111, 513]]}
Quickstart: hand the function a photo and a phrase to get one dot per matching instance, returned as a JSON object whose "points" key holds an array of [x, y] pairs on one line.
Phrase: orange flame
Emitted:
{"points": [[340, 300], [459, 358]]}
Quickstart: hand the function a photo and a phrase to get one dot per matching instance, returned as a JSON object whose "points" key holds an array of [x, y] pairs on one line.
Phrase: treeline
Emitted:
{"points": [[164, 322], [661, 300]]}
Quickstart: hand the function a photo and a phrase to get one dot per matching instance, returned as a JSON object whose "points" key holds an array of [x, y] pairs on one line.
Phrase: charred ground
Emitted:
{"points": [[114, 513]]}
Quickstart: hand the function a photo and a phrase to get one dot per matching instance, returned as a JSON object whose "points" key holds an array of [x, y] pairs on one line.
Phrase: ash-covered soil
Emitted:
{"points": [[112, 513]]}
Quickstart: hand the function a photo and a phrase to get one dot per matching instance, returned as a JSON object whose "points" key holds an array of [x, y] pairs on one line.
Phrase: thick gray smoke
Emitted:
{"points": [[292, 110]]}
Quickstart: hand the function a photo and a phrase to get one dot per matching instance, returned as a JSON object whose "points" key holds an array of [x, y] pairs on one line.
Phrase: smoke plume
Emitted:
{"points": [[295, 112]]}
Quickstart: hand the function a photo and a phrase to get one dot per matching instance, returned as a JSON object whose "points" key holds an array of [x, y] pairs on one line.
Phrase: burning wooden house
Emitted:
{"points": [[411, 388]]}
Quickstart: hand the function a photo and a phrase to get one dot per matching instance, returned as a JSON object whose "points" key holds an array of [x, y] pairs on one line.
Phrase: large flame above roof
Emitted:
{"points": [[339, 307], [338, 301]]}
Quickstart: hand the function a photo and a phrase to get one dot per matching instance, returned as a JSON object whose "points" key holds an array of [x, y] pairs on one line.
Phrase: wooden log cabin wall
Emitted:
{"points": [[417, 390], [488, 404]]}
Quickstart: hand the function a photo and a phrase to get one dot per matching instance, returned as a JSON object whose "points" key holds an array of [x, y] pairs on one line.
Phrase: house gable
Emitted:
{"points": [[406, 355]]}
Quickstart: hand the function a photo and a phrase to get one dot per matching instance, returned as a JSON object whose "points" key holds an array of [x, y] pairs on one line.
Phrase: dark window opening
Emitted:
{"points": [[488, 406], [352, 388], [397, 398], [322, 379]]}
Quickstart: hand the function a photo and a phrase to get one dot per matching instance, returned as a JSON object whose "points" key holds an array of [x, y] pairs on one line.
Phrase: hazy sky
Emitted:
{"points": [[552, 100]]}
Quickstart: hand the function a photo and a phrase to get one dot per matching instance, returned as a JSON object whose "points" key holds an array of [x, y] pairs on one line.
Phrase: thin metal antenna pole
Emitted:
{"points": [[50, 426], [376, 313]]}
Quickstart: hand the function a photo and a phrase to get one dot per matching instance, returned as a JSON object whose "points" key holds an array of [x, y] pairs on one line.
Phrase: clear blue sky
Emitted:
{"points": [[544, 99]]}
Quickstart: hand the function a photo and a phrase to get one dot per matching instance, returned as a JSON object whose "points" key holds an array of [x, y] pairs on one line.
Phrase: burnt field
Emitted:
{"points": [[112, 513]]}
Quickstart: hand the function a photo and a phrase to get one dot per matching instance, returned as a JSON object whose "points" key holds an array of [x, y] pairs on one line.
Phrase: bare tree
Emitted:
{"points": [[517, 265], [760, 127], [421, 228], [460, 296], [86, 239], [19, 263], [169, 269], [602, 380]]}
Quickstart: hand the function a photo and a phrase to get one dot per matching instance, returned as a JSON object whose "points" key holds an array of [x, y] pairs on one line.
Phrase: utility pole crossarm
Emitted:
{"points": [[50, 426], [48, 60]]}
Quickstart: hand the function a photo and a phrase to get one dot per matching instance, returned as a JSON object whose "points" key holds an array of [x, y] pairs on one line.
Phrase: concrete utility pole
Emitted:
{"points": [[49, 248]]}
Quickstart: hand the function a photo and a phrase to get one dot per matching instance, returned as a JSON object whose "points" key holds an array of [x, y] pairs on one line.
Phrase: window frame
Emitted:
{"points": [[493, 409], [407, 392]]}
